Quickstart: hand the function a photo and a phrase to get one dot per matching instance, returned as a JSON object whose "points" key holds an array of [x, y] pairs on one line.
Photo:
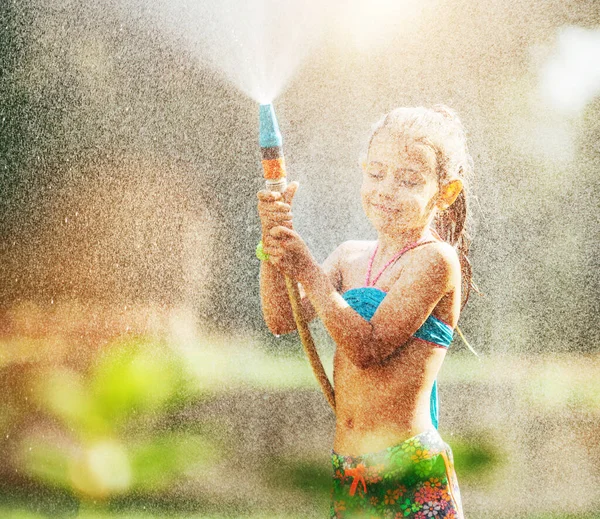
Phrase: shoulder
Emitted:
{"points": [[348, 251], [335, 265], [350, 247], [355, 247], [441, 260], [441, 251]]}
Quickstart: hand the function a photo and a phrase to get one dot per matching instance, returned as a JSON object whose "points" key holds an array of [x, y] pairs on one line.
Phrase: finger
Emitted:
{"points": [[276, 260], [271, 207], [274, 206], [273, 214], [270, 218], [273, 250], [268, 223], [281, 232], [290, 191], [266, 195]]}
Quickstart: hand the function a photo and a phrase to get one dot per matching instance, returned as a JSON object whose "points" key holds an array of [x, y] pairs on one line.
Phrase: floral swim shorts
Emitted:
{"points": [[414, 480]]}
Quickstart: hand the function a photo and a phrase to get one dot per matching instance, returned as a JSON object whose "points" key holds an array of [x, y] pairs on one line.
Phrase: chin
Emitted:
{"points": [[385, 225]]}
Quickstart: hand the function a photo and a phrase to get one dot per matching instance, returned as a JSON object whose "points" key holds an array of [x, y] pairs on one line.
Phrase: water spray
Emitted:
{"points": [[273, 162]]}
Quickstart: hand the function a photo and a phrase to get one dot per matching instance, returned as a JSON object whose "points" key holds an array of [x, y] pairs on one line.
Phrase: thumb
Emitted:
{"points": [[280, 231], [290, 191]]}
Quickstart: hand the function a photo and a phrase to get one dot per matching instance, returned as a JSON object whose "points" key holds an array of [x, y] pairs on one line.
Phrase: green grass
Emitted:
{"points": [[9, 513]]}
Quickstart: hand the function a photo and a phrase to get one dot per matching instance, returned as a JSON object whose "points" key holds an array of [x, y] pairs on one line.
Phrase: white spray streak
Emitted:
{"points": [[256, 45]]}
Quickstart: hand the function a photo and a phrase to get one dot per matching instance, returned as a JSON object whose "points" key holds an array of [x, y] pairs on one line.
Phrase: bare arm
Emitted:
{"points": [[403, 311], [277, 310], [274, 209]]}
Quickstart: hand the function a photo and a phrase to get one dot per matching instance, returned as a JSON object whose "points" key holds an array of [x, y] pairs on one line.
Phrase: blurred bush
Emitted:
{"points": [[100, 432]]}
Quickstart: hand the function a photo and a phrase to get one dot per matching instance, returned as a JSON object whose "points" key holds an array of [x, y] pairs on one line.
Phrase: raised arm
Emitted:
{"points": [[403, 311], [276, 307], [274, 210]]}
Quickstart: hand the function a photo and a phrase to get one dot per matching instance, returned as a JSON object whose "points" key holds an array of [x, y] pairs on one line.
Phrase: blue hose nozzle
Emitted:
{"points": [[270, 136]]}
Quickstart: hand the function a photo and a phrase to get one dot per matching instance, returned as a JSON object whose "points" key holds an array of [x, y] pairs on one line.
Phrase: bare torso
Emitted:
{"points": [[384, 405]]}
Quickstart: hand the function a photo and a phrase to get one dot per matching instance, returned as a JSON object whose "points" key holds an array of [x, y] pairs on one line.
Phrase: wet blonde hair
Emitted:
{"points": [[440, 128]]}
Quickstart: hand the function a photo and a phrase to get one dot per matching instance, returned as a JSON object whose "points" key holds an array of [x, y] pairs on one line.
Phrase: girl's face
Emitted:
{"points": [[399, 183]]}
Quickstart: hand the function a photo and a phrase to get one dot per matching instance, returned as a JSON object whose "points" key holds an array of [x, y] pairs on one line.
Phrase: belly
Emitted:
{"points": [[383, 405]]}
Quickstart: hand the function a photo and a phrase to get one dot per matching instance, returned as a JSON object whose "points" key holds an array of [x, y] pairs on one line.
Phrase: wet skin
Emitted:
{"points": [[385, 404], [383, 379]]}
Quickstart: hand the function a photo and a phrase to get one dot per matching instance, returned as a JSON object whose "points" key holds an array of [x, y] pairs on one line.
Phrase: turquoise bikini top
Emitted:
{"points": [[365, 301]]}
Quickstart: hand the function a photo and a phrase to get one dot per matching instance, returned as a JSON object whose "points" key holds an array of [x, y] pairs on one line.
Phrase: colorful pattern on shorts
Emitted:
{"points": [[412, 480]]}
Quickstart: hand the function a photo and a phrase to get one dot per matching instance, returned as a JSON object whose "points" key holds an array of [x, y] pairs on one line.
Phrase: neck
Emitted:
{"points": [[390, 244]]}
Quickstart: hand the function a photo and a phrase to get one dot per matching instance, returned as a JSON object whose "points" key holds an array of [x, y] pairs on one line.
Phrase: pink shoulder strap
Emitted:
{"points": [[396, 256]]}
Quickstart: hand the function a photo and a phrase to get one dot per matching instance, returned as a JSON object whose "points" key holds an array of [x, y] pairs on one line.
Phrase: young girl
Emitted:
{"points": [[391, 306]]}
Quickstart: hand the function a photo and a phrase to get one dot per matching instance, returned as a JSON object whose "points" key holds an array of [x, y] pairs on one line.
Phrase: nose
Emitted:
{"points": [[387, 187]]}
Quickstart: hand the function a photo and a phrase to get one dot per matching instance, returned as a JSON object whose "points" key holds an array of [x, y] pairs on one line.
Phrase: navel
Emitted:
{"points": [[349, 423]]}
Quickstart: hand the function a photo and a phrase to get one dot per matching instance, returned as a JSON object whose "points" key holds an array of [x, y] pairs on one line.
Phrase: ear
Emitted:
{"points": [[448, 193]]}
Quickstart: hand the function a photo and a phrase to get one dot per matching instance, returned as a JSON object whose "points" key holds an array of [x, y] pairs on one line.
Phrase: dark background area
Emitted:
{"points": [[128, 172]]}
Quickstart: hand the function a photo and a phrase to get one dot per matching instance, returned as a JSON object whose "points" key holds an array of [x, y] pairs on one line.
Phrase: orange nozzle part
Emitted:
{"points": [[274, 169]]}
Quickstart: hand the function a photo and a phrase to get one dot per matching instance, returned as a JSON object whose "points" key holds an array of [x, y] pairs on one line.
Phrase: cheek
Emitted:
{"points": [[412, 204], [365, 192], [366, 196], [364, 201]]}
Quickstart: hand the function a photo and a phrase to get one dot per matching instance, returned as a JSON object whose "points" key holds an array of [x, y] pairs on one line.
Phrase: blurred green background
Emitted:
{"points": [[177, 423], [136, 374]]}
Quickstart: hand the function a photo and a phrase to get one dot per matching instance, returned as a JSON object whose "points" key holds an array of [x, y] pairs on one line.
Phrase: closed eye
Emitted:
{"points": [[405, 174]]}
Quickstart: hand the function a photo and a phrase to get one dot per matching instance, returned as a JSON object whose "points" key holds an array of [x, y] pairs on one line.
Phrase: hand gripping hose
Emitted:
{"points": [[275, 177]]}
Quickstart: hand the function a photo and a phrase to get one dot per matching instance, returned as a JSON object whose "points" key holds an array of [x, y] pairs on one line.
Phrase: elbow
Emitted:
{"points": [[375, 357], [279, 328], [364, 360], [372, 354], [277, 332], [363, 364], [277, 325], [364, 354]]}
